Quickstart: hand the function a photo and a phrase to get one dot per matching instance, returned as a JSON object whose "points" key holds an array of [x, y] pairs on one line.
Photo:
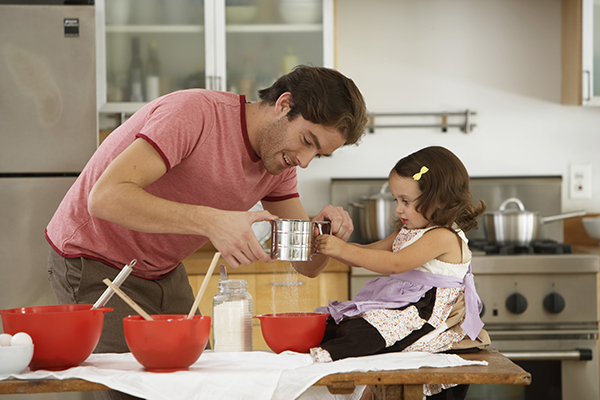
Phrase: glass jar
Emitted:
{"points": [[232, 316]]}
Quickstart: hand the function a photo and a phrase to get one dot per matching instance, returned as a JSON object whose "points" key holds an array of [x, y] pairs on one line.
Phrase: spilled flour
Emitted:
{"points": [[285, 291]]}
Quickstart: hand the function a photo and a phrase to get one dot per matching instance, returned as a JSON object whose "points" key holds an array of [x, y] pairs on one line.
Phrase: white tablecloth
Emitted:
{"points": [[257, 375]]}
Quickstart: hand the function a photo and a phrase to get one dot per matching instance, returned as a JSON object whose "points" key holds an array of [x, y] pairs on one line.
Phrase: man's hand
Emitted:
{"points": [[341, 223], [233, 236]]}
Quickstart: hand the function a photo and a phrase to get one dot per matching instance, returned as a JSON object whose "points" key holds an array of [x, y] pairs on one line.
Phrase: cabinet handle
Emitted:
{"points": [[589, 85], [287, 283]]}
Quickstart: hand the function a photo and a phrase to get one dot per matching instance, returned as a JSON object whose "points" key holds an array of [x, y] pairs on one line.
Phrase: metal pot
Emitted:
{"points": [[376, 215], [517, 227]]}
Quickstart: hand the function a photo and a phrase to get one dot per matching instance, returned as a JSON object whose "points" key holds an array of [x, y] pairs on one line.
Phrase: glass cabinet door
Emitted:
{"points": [[596, 52], [267, 38], [153, 47], [590, 52]]}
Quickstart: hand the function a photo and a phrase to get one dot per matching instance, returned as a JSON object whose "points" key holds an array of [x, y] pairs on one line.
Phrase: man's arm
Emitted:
{"points": [[119, 196]]}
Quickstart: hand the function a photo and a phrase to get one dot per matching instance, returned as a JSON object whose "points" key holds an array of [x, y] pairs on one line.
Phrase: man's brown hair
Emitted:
{"points": [[322, 96]]}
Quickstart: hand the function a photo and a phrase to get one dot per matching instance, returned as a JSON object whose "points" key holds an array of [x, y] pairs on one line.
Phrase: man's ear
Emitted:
{"points": [[284, 103]]}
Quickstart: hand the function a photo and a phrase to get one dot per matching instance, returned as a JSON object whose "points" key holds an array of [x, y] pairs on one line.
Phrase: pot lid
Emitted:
{"points": [[382, 195], [513, 200]]}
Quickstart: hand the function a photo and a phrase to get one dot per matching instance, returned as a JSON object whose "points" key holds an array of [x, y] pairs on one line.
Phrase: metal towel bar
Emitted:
{"points": [[466, 127]]}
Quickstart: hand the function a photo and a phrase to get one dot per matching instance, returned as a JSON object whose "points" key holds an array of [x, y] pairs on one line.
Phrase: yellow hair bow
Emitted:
{"points": [[419, 174]]}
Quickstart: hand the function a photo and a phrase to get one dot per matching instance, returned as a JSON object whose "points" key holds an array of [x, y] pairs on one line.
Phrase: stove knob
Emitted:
{"points": [[554, 303], [516, 303]]}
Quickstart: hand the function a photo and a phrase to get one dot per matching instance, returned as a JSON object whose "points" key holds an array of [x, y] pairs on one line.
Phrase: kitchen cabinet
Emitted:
{"points": [[580, 52], [234, 45], [274, 287]]}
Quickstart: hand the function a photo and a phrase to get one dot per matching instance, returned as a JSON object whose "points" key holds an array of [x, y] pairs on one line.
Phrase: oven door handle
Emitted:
{"points": [[576, 355]]}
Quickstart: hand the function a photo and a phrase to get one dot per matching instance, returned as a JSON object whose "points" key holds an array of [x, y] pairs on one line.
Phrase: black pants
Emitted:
{"points": [[355, 337], [454, 393]]}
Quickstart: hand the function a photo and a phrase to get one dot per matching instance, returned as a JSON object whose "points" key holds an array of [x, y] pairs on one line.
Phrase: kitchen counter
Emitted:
{"points": [[199, 262], [575, 235], [274, 287]]}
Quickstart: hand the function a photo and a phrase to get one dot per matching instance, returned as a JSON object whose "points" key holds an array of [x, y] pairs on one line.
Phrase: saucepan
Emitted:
{"points": [[292, 239], [517, 227], [376, 215]]}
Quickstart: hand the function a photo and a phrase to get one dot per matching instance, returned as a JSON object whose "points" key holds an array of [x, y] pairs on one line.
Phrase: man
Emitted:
{"points": [[184, 170]]}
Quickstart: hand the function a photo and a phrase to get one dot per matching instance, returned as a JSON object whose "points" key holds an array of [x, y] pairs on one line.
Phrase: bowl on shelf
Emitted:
{"points": [[170, 342], [14, 359], [63, 335], [300, 11], [299, 331], [241, 14], [592, 227]]}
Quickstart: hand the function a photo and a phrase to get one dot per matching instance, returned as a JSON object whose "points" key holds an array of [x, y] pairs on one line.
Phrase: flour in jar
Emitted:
{"points": [[232, 316], [232, 326]]}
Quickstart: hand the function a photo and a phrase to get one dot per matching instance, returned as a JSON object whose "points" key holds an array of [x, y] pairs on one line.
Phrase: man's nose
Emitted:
{"points": [[305, 158]]}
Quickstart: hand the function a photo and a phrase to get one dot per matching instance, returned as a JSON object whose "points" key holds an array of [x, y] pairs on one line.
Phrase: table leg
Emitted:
{"points": [[397, 392]]}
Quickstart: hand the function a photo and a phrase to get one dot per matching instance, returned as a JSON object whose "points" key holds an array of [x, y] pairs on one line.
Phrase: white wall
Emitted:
{"points": [[500, 58]]}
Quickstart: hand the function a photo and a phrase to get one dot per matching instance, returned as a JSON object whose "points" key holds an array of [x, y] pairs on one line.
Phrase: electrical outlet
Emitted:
{"points": [[580, 181]]}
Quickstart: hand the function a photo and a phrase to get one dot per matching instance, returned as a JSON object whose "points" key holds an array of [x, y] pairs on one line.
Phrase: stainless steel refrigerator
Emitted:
{"points": [[48, 131]]}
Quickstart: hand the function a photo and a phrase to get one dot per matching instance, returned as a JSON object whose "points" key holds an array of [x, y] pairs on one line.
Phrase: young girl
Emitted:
{"points": [[429, 302]]}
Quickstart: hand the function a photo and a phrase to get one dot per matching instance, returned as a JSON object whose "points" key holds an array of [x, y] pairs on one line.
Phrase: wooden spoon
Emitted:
{"points": [[213, 264], [128, 300]]}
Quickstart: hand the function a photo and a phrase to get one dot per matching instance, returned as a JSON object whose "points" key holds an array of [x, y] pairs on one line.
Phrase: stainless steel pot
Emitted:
{"points": [[376, 215], [517, 227]]}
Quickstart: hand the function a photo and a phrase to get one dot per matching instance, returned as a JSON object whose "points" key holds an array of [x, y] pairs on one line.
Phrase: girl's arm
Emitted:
{"points": [[435, 243], [384, 244]]}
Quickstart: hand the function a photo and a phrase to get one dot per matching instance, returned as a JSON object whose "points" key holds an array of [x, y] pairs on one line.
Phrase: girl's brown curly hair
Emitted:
{"points": [[445, 188]]}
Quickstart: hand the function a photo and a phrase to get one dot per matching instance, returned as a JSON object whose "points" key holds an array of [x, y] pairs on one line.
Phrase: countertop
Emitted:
{"points": [[198, 263], [575, 235]]}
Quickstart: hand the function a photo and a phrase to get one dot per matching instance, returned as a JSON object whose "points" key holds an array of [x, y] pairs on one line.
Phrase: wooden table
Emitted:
{"points": [[390, 385], [408, 384]]}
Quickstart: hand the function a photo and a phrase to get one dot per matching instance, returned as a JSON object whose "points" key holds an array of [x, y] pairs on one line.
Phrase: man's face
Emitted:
{"points": [[283, 144]]}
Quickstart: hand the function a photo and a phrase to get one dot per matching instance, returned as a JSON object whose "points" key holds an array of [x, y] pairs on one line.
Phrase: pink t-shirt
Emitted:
{"points": [[201, 135]]}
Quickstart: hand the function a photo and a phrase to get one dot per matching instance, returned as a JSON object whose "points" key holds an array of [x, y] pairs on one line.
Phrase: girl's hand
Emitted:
{"points": [[329, 245]]}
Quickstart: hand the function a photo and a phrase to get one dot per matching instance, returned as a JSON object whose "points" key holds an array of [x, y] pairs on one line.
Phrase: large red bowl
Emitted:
{"points": [[297, 332], [63, 335], [171, 342]]}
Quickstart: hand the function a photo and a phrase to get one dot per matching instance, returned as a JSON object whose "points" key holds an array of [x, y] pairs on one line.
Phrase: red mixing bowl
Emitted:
{"points": [[171, 342], [299, 331], [63, 335]]}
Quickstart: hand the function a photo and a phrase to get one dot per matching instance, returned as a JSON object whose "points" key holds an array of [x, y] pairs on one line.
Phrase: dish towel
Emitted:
{"points": [[256, 375]]}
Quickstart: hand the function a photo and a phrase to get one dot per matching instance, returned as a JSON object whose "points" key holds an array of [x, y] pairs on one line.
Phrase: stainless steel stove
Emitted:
{"points": [[541, 311]]}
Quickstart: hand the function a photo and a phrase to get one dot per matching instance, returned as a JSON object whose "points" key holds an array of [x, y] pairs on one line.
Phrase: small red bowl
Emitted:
{"points": [[63, 335], [171, 342], [299, 331]]}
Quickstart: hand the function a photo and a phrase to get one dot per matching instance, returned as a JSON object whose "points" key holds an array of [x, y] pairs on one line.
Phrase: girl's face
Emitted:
{"points": [[406, 191]]}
